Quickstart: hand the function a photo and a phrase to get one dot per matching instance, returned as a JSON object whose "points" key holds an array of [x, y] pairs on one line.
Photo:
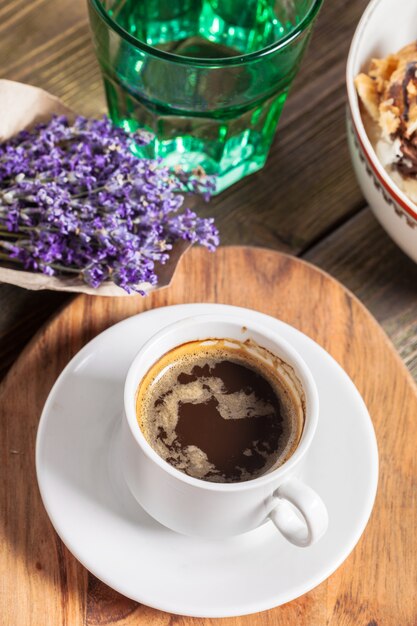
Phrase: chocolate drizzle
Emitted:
{"points": [[407, 161], [409, 77]]}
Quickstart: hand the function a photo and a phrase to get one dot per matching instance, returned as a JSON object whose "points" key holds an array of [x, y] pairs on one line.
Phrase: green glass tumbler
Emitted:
{"points": [[208, 78]]}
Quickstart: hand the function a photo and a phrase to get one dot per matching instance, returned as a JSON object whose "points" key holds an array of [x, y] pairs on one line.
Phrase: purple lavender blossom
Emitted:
{"points": [[74, 200]]}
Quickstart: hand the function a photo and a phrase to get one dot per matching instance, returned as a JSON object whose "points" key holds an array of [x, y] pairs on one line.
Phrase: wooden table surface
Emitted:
{"points": [[305, 201]]}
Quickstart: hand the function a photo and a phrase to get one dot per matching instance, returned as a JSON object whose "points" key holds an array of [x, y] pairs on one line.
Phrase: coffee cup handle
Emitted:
{"points": [[299, 513]]}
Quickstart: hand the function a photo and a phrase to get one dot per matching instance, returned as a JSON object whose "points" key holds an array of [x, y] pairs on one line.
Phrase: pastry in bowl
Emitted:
{"points": [[388, 98]]}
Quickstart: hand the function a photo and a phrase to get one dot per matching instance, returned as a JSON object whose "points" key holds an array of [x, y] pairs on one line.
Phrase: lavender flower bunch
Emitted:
{"points": [[74, 200]]}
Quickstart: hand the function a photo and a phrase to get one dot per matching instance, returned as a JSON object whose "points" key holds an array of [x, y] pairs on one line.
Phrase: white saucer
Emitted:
{"points": [[103, 526]]}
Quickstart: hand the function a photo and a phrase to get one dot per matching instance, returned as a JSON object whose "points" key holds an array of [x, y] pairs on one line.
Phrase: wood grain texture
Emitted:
{"points": [[43, 584], [366, 260]]}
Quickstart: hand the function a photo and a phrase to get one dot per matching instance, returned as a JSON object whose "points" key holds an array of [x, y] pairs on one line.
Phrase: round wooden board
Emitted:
{"points": [[43, 584]]}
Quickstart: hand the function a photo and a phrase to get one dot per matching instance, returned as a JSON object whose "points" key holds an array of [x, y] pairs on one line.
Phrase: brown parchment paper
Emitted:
{"points": [[21, 107]]}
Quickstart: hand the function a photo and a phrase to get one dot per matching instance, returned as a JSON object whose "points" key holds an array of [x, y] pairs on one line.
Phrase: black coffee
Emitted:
{"points": [[214, 411]]}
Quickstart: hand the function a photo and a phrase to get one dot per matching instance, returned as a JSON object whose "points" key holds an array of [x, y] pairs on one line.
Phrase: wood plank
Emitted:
{"points": [[47, 43], [374, 586], [367, 261]]}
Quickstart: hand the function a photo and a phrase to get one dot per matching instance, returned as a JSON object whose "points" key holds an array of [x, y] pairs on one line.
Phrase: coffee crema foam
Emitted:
{"points": [[218, 410]]}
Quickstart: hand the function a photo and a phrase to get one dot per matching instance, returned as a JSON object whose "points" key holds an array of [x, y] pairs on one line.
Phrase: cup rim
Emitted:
{"points": [[308, 383], [353, 102], [241, 59]]}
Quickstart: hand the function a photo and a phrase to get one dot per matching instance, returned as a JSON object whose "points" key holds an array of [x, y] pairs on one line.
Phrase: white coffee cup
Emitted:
{"points": [[196, 507]]}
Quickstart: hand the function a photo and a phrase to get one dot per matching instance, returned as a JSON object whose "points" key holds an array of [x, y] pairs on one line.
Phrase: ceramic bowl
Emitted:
{"points": [[385, 27]]}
